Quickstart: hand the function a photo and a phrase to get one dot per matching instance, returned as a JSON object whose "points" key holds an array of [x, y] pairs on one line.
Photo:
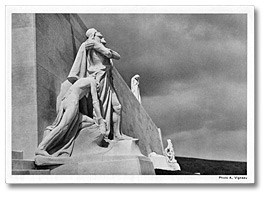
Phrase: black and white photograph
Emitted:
{"points": [[130, 94]]}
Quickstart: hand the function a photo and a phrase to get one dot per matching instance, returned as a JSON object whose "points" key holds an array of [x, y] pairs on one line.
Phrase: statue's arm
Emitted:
{"points": [[93, 44]]}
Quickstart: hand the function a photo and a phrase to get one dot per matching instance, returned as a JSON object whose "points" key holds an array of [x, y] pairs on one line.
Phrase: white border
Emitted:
{"points": [[131, 9], [249, 10]]}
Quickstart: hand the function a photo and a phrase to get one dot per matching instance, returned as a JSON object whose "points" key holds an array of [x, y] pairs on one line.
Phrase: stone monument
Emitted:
{"points": [[86, 137], [75, 112]]}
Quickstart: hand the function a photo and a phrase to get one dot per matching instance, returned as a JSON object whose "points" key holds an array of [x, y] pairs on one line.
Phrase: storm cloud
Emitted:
{"points": [[193, 70]]}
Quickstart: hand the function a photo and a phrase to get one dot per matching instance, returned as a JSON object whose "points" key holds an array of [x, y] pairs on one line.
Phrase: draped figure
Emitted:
{"points": [[86, 99]]}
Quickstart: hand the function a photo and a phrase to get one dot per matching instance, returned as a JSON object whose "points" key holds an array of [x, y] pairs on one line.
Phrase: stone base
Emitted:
{"points": [[121, 157], [160, 162], [114, 165]]}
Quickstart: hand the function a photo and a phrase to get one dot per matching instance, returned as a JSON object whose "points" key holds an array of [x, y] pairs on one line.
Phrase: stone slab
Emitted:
{"points": [[17, 155], [23, 164]]}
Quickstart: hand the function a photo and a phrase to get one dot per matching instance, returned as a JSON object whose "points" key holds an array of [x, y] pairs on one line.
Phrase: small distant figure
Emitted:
{"points": [[170, 152], [171, 156], [135, 87]]}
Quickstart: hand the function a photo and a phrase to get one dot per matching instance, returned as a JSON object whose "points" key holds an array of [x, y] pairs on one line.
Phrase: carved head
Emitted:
{"points": [[90, 33], [137, 77], [100, 38]]}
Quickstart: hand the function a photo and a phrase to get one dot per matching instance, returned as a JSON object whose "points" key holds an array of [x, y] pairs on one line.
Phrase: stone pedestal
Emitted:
{"points": [[108, 165], [121, 157], [161, 162]]}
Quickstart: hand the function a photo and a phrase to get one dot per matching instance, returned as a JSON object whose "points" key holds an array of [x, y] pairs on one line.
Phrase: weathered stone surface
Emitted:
{"points": [[23, 75], [24, 129], [47, 79], [78, 27], [21, 20], [56, 50], [24, 106], [23, 164], [23, 95], [23, 46]]}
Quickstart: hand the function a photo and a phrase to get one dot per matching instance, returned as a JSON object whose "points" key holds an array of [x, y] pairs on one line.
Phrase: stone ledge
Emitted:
{"points": [[23, 164], [31, 172]]}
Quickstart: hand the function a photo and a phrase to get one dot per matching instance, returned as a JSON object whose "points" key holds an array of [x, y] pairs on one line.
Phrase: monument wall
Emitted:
{"points": [[44, 47], [59, 36], [24, 83]]}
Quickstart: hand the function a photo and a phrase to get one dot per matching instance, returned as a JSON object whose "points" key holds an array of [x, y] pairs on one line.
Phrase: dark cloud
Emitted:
{"points": [[193, 68], [211, 103]]}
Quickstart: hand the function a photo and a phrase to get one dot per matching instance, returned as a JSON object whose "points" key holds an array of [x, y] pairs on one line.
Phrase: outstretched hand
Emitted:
{"points": [[115, 55]]}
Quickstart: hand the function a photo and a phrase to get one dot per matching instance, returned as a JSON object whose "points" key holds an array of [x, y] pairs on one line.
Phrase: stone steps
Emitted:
{"points": [[17, 155], [31, 172], [21, 166]]}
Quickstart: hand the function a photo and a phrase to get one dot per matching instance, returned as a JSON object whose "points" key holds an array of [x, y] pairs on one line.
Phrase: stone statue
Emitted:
{"points": [[94, 59], [171, 156], [68, 111], [85, 137], [170, 152], [135, 87], [86, 98]]}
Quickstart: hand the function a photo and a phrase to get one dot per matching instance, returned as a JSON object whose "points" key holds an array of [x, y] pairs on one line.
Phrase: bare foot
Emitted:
{"points": [[42, 152]]}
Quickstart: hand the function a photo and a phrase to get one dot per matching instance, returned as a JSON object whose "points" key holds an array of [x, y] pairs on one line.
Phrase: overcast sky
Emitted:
{"points": [[193, 70]]}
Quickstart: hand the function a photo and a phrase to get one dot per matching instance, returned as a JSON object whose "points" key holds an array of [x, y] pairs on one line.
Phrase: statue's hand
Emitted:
{"points": [[89, 43], [115, 55]]}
